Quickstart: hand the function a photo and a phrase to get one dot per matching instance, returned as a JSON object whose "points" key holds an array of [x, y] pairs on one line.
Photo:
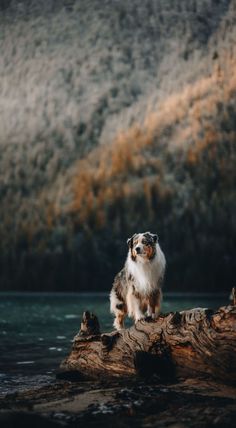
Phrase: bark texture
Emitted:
{"points": [[195, 343]]}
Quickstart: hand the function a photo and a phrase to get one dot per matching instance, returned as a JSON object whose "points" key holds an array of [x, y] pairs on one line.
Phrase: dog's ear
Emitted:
{"points": [[130, 241], [154, 237]]}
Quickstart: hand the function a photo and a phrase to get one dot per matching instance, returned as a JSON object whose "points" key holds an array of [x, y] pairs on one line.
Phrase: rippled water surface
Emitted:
{"points": [[36, 330]]}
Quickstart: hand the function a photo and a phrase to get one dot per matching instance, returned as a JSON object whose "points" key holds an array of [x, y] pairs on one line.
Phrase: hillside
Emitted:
{"points": [[116, 117]]}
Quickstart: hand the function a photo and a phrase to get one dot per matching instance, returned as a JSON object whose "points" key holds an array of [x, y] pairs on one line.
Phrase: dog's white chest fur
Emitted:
{"points": [[147, 275]]}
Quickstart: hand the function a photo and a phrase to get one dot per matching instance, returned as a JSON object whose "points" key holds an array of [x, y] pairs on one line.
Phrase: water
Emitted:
{"points": [[36, 330]]}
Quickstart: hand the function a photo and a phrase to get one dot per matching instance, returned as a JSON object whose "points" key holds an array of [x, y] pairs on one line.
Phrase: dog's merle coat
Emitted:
{"points": [[137, 287]]}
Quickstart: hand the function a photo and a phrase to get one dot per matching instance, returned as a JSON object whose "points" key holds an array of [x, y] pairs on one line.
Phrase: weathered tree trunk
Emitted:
{"points": [[194, 343]]}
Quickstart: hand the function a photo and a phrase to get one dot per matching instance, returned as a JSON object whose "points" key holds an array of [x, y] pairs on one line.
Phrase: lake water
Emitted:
{"points": [[36, 330]]}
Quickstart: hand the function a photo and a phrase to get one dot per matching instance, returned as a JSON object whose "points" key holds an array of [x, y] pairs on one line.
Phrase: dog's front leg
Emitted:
{"points": [[149, 311], [154, 305], [153, 311], [133, 306], [119, 320]]}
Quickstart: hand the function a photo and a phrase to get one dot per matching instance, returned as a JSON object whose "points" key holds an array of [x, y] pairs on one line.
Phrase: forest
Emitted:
{"points": [[117, 117]]}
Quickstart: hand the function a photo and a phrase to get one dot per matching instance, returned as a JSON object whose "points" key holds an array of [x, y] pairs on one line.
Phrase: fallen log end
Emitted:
{"points": [[198, 343]]}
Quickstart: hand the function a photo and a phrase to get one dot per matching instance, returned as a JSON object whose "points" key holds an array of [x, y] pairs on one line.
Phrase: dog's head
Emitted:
{"points": [[142, 246]]}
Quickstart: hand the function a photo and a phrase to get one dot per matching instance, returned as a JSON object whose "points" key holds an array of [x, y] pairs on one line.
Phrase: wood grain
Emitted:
{"points": [[197, 343]]}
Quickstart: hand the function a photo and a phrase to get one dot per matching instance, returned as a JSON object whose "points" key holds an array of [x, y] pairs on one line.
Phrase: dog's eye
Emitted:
{"points": [[144, 242]]}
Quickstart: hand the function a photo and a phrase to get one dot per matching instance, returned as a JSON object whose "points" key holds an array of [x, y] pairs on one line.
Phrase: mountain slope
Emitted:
{"points": [[116, 117]]}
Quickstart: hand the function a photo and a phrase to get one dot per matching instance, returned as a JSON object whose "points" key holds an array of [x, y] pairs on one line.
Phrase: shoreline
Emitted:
{"points": [[169, 294], [121, 403]]}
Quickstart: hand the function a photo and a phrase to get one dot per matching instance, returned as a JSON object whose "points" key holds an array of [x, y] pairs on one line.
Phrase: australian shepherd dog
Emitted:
{"points": [[136, 290]]}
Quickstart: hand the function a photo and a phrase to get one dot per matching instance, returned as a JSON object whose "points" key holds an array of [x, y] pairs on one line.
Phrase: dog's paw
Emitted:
{"points": [[142, 318], [148, 318], [155, 316]]}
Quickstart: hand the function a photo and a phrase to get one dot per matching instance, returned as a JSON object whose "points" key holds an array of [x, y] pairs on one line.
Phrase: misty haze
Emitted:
{"points": [[116, 117]]}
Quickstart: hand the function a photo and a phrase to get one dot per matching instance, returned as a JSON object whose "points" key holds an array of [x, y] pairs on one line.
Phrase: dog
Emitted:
{"points": [[136, 290]]}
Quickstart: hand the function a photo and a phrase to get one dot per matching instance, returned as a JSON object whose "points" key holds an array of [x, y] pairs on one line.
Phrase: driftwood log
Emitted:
{"points": [[194, 343]]}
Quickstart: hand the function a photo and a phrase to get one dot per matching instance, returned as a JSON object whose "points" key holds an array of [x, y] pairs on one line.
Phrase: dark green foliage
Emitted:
{"points": [[84, 163]]}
